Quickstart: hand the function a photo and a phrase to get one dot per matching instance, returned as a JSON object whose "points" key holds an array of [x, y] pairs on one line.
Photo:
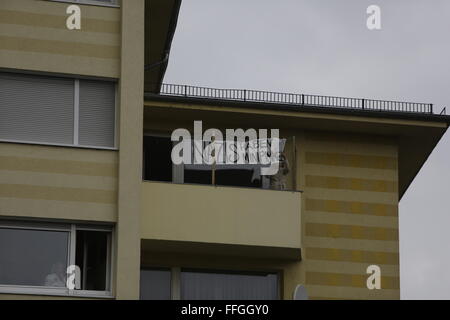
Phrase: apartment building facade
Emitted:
{"points": [[87, 180]]}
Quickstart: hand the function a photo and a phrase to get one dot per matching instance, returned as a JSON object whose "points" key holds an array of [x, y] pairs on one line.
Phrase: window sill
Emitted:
{"points": [[57, 145], [54, 292], [88, 3]]}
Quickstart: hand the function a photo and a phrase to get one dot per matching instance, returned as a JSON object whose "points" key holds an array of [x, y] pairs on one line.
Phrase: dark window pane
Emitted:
{"points": [[155, 285], [197, 176], [157, 159], [237, 178], [228, 286], [33, 257], [91, 257]]}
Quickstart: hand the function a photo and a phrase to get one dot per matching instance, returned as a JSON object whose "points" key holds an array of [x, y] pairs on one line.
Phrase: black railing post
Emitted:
{"points": [[303, 99], [185, 90], [363, 103], [431, 108], [245, 95]]}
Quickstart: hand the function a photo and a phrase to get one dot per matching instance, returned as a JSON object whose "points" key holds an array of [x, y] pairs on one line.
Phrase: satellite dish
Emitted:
{"points": [[300, 293]]}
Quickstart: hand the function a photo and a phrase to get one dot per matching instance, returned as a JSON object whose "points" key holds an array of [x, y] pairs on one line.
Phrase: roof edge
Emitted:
{"points": [[172, 27], [309, 108]]}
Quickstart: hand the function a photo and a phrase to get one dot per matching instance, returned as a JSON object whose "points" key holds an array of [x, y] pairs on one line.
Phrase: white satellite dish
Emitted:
{"points": [[300, 293]]}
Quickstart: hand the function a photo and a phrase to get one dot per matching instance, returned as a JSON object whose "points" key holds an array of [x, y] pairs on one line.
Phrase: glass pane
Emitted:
{"points": [[91, 256], [157, 159], [155, 285], [228, 286], [33, 257]]}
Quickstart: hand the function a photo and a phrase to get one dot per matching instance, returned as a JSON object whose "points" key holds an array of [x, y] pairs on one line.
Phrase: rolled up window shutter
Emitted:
{"points": [[36, 108], [97, 113]]}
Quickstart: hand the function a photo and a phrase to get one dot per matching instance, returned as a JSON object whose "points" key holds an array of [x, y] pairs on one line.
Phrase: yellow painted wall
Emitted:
{"points": [[130, 153], [58, 183], [223, 215], [33, 36], [350, 214]]}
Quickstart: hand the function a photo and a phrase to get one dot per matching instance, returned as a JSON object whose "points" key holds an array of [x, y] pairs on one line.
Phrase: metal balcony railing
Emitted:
{"points": [[294, 99]]}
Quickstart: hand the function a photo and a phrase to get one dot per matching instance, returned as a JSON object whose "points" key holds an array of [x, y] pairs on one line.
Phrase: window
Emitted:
{"points": [[92, 257], [163, 284], [155, 284], [30, 257], [197, 285], [157, 163], [34, 258], [61, 111], [158, 166]]}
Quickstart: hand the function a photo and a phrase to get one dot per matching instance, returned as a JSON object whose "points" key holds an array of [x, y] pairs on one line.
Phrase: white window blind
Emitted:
{"points": [[52, 110], [97, 116], [197, 285], [36, 108]]}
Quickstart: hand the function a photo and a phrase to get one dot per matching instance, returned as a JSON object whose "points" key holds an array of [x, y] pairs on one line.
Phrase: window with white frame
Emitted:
{"points": [[57, 110], [194, 284], [35, 258]]}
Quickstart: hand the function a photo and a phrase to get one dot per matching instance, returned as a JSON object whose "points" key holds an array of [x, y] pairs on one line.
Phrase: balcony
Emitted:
{"points": [[206, 219]]}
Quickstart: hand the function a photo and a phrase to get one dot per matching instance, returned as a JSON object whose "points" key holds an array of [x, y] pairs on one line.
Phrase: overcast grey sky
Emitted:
{"points": [[324, 47]]}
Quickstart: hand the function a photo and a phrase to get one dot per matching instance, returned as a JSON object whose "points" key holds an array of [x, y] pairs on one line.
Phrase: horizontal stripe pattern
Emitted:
{"points": [[49, 177], [351, 244], [351, 215], [352, 207], [57, 209], [351, 160], [59, 47], [351, 195], [321, 292], [350, 219], [360, 256], [348, 280], [23, 31], [56, 21], [58, 166], [350, 232], [55, 193], [353, 140], [37, 30], [390, 270], [353, 184], [57, 180]]}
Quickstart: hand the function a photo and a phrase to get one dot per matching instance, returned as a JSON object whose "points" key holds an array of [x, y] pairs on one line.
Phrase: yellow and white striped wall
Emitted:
{"points": [[34, 36], [349, 215]]}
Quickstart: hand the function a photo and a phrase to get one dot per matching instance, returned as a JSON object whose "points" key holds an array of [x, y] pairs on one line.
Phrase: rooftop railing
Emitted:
{"points": [[294, 99]]}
